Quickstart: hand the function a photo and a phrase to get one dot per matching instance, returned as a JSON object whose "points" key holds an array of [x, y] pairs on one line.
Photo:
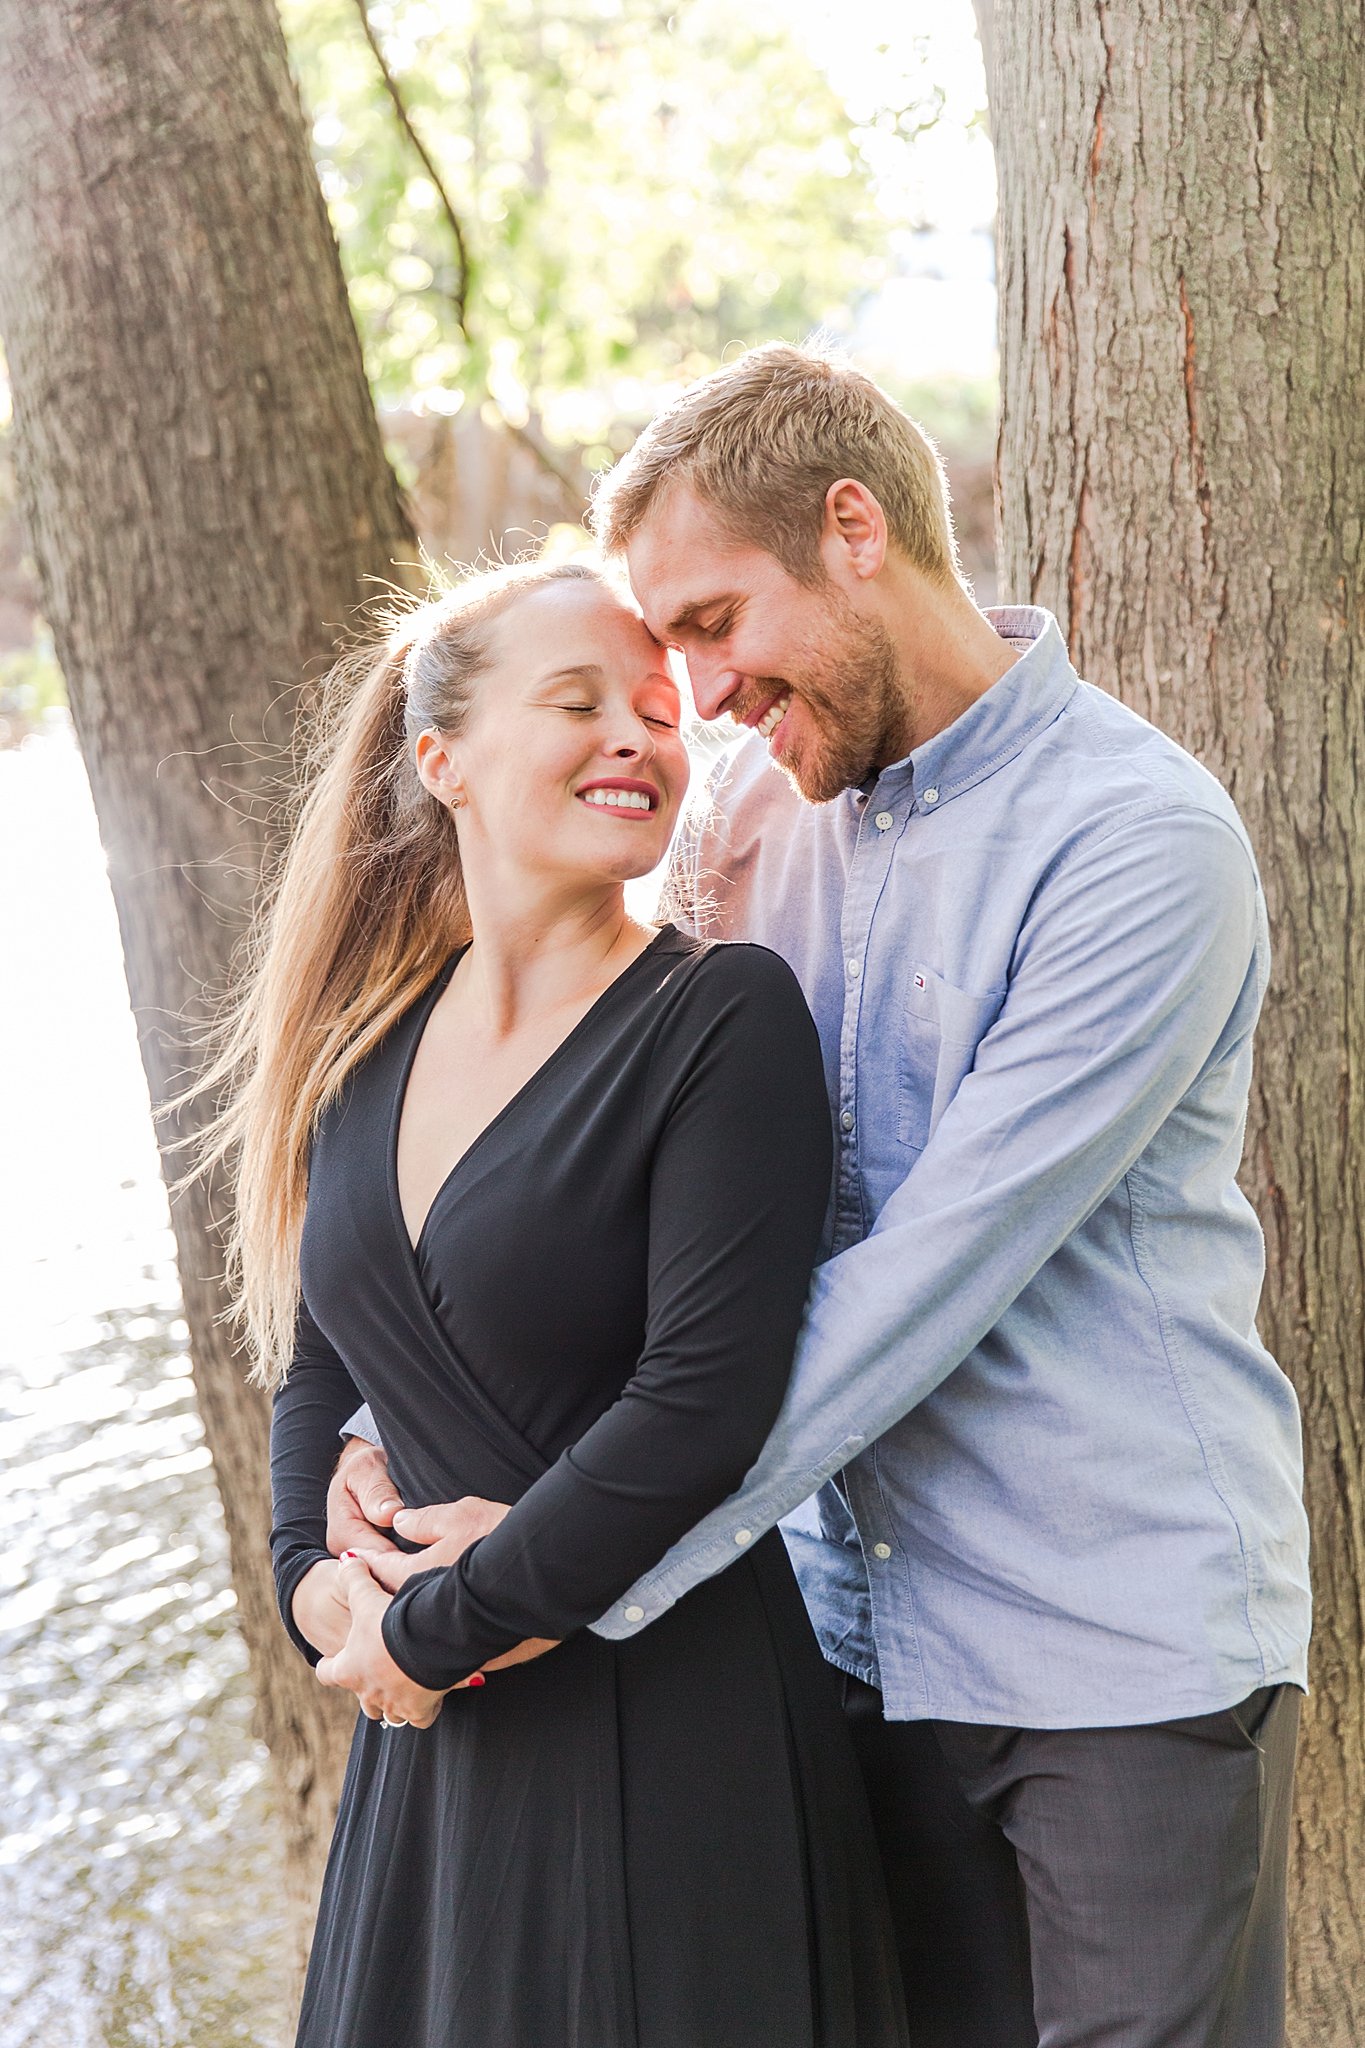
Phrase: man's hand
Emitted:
{"points": [[361, 1501], [444, 1531], [363, 1664], [532, 1646]]}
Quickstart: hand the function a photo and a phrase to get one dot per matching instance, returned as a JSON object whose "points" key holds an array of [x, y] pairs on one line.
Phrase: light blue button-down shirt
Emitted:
{"points": [[1071, 1472]]}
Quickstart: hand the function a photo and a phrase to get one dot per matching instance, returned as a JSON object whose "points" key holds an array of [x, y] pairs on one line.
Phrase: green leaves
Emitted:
{"points": [[639, 186]]}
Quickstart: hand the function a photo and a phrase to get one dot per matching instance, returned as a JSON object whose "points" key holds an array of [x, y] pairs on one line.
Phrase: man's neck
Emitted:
{"points": [[948, 651]]}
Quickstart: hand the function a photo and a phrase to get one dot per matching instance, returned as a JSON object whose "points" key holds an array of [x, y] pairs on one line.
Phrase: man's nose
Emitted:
{"points": [[713, 685]]}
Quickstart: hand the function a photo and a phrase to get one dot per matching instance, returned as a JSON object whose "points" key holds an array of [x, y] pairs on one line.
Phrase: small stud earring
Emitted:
{"points": [[456, 802]]}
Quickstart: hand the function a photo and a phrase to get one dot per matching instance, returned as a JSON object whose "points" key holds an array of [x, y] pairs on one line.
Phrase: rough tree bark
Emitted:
{"points": [[205, 491], [1182, 479]]}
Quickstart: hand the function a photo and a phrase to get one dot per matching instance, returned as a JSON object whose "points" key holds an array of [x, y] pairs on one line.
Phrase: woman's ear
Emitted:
{"points": [[435, 769]]}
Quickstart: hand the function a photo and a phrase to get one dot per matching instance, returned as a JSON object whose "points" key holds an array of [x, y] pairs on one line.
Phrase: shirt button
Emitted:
{"points": [[931, 796], [883, 821], [635, 1614], [881, 1550], [855, 968], [743, 1536], [846, 1120]]}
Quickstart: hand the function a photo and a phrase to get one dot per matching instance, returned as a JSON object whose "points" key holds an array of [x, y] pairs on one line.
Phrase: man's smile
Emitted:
{"points": [[768, 714]]}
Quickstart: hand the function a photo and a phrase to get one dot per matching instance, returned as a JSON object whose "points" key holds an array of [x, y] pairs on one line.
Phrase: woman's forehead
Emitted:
{"points": [[586, 614]]}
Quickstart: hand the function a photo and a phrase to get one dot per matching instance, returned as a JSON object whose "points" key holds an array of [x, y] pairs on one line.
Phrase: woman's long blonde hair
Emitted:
{"points": [[366, 906]]}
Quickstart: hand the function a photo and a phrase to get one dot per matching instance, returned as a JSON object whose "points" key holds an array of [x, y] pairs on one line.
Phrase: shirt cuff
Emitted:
{"points": [[362, 1425], [716, 1542]]}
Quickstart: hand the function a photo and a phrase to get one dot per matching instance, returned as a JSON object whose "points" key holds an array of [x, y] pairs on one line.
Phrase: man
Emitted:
{"points": [[1063, 1563]]}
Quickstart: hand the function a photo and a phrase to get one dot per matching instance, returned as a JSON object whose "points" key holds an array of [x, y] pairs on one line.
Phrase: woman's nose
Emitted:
{"points": [[632, 742]]}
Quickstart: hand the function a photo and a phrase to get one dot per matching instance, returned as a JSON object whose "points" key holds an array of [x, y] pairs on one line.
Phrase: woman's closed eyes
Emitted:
{"points": [[664, 724]]}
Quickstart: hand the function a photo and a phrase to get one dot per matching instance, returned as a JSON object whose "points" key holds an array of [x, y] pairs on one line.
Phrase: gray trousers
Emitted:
{"points": [[1089, 1887]]}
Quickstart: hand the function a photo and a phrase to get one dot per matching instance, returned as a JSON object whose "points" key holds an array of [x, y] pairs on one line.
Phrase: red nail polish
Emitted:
{"points": [[477, 1679], [347, 1555]]}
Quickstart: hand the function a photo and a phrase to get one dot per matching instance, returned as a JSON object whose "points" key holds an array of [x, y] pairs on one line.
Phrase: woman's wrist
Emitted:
{"points": [[320, 1614]]}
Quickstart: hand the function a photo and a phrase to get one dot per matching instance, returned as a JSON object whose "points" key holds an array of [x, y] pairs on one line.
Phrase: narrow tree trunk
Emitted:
{"points": [[205, 490], [1182, 478]]}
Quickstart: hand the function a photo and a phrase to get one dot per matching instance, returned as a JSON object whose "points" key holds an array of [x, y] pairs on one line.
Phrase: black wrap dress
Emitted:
{"points": [[656, 1843]]}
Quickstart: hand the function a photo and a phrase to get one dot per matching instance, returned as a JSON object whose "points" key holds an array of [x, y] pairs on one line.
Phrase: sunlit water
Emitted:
{"points": [[139, 1872]]}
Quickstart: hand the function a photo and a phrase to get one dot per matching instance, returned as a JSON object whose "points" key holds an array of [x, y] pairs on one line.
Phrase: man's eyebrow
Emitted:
{"points": [[691, 612]]}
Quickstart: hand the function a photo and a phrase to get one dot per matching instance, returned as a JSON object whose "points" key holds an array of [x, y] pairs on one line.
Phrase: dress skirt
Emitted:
{"points": [[620, 1845]]}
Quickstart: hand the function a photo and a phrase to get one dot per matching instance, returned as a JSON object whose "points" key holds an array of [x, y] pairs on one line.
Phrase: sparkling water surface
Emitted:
{"points": [[140, 1874]]}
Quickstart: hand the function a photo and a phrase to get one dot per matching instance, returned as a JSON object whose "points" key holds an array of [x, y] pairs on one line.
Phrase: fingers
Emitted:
{"points": [[464, 1520], [390, 1568], [400, 1706], [356, 1584], [361, 1499], [347, 1529], [363, 1666], [394, 1569], [533, 1646], [335, 1672], [429, 1525], [365, 1468]]}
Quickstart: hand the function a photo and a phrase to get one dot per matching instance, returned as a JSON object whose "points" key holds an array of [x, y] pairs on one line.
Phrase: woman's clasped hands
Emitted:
{"points": [[363, 1665], [339, 1606]]}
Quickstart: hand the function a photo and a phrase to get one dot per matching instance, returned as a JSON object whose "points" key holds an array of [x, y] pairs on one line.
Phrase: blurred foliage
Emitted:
{"points": [[30, 680], [32, 688], [640, 184], [959, 413], [31, 684]]}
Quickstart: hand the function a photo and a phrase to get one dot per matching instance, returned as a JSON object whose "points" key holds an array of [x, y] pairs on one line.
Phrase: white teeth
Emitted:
{"points": [[618, 799], [773, 717]]}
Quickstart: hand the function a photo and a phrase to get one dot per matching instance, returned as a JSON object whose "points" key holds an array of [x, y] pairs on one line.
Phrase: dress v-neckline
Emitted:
{"points": [[423, 1009]]}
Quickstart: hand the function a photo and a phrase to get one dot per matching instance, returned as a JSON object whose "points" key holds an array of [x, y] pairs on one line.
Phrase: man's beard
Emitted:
{"points": [[857, 701]]}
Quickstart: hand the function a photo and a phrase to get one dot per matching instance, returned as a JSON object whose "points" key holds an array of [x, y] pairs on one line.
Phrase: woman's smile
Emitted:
{"points": [[620, 795]]}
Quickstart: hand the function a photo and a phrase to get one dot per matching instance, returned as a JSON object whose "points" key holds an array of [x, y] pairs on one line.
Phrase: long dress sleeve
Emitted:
{"points": [[739, 1130], [309, 1409]]}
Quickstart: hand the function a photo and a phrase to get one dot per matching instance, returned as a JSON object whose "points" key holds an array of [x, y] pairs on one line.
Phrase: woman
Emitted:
{"points": [[553, 1183]]}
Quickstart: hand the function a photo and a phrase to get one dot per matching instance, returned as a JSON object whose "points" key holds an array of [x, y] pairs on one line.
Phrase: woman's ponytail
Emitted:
{"points": [[367, 905]]}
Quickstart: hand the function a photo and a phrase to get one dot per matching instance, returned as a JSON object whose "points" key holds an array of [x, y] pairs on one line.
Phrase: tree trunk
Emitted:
{"points": [[1182, 479], [206, 492]]}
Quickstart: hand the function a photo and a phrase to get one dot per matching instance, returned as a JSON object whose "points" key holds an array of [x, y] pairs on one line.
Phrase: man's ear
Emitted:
{"points": [[854, 537]]}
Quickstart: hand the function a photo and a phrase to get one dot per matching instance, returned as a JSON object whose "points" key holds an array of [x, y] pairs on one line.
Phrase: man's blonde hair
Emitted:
{"points": [[762, 440]]}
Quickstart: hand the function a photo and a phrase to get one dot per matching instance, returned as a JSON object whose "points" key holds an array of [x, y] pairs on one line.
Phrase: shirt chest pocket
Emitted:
{"points": [[941, 1027]]}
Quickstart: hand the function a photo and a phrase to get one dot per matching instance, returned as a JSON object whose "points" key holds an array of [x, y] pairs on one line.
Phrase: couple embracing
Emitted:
{"points": [[890, 1189]]}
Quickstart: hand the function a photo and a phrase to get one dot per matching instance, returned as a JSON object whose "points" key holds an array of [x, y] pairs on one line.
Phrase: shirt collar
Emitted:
{"points": [[990, 732]]}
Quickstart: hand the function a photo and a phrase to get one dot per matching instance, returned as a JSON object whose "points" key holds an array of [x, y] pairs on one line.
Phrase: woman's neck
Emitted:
{"points": [[535, 953]]}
